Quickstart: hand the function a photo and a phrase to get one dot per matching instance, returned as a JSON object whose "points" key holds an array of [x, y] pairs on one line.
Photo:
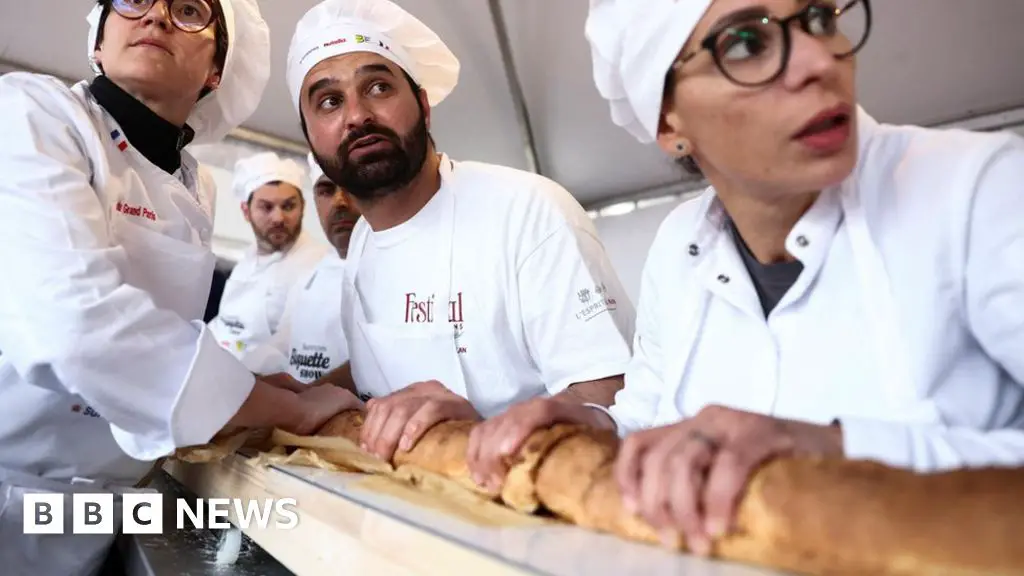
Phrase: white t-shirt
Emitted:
{"points": [[536, 303]]}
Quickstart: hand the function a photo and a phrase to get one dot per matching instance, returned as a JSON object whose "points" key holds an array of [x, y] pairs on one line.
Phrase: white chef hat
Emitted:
{"points": [[264, 168], [633, 44], [245, 75], [336, 27], [315, 171]]}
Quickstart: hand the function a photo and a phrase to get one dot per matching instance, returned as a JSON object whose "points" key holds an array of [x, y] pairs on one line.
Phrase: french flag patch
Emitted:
{"points": [[119, 140]]}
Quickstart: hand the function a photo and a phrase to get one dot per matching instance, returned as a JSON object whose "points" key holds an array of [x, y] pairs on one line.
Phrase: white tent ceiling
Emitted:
{"points": [[929, 61]]}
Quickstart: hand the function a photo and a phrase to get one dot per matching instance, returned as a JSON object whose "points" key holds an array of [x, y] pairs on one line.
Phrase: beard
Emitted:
{"points": [[378, 174], [277, 238]]}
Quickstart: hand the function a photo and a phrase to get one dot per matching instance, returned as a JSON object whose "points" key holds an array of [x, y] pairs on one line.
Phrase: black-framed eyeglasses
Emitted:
{"points": [[190, 16], [754, 50]]}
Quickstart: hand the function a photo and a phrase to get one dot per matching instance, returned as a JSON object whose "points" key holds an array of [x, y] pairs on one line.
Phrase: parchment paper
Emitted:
{"points": [[409, 483]]}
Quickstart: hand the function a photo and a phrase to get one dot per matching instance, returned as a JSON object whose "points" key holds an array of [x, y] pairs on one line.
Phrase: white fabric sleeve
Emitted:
{"points": [[636, 405], [577, 318], [607, 413], [271, 357], [994, 299], [68, 320]]}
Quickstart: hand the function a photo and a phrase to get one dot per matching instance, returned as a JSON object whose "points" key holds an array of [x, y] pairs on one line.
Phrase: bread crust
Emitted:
{"points": [[807, 515]]}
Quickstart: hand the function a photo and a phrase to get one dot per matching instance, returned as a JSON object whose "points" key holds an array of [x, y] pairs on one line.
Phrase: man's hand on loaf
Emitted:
{"points": [[688, 477], [494, 442], [399, 420], [318, 405]]}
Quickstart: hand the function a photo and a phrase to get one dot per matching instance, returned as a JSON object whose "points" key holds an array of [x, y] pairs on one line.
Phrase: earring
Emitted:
{"points": [[683, 148]]}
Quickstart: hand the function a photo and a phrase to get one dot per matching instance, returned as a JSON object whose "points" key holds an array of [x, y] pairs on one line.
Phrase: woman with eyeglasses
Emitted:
{"points": [[105, 363], [843, 289]]}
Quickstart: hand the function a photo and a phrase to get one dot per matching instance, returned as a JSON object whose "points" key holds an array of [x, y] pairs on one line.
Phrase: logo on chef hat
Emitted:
{"points": [[364, 39]]}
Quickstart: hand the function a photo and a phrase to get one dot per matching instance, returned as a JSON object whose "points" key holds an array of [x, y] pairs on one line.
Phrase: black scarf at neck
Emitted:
{"points": [[155, 138]]}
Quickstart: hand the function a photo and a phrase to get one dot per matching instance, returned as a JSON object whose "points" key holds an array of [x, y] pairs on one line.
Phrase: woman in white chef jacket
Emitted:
{"points": [[310, 342], [843, 288], [105, 364]]}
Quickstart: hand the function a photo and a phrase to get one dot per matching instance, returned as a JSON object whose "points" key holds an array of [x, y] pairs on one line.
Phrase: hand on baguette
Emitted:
{"points": [[494, 442], [319, 404], [399, 420], [688, 477]]}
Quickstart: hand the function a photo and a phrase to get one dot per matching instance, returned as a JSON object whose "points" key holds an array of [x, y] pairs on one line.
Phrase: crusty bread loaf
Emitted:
{"points": [[348, 425], [442, 451], [847, 517], [575, 482], [520, 489], [811, 516]]}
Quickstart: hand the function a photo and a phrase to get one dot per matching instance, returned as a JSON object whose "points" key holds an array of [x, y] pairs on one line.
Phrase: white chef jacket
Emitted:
{"points": [[309, 342], [256, 293], [906, 324], [104, 352], [499, 288]]}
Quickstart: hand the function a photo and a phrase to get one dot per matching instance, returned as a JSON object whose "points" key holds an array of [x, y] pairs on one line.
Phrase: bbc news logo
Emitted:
{"points": [[144, 513]]}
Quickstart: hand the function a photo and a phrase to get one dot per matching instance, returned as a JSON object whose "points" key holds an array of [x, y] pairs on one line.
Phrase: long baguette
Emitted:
{"points": [[442, 451], [810, 516]]}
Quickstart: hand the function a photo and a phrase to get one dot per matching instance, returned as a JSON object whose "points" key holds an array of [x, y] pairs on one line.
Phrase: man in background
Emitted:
{"points": [[270, 191], [310, 342]]}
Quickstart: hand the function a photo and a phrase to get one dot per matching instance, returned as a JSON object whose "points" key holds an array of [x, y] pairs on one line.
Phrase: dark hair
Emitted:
{"points": [[687, 163], [220, 29], [416, 89]]}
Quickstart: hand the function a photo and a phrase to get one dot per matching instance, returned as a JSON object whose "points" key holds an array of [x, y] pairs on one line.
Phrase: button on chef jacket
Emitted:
{"points": [[309, 341], [256, 293], [906, 323], [499, 288]]}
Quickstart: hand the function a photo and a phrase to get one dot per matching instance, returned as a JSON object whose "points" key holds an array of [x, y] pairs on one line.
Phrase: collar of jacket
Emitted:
{"points": [[712, 218], [155, 138]]}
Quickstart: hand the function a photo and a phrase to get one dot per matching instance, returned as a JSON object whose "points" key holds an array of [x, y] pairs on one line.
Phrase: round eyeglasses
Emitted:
{"points": [[187, 15], [754, 50]]}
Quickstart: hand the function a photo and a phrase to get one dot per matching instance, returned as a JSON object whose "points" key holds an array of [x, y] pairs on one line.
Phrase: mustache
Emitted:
{"points": [[364, 131], [342, 215]]}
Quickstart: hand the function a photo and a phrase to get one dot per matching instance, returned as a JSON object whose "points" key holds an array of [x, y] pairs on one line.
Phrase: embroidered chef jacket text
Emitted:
{"points": [[310, 341], [907, 323], [499, 288], [256, 293]]}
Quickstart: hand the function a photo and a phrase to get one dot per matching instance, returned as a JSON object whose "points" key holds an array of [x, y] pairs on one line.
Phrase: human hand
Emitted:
{"points": [[319, 404], [688, 477], [283, 380], [494, 442], [399, 420]]}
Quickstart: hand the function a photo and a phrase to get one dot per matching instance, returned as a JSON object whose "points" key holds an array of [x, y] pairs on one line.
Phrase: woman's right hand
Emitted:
{"points": [[318, 404]]}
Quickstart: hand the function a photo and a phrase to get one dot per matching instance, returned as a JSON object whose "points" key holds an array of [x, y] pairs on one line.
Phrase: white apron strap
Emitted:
{"points": [[671, 407], [883, 314]]}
